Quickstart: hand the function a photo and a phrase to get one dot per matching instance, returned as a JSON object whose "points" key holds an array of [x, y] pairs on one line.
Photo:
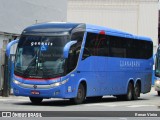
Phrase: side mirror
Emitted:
{"points": [[67, 47]]}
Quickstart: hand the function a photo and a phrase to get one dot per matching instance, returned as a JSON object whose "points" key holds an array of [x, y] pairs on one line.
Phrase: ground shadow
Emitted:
{"points": [[66, 102]]}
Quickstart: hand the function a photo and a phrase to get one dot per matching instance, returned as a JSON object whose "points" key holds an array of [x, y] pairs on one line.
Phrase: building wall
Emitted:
{"points": [[1, 63], [138, 17], [3, 39]]}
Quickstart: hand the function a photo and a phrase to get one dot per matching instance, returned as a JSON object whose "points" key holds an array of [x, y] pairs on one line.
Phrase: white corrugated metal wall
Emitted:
{"points": [[139, 17]]}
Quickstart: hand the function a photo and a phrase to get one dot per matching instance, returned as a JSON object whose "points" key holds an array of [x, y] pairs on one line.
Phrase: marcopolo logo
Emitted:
{"points": [[41, 43]]}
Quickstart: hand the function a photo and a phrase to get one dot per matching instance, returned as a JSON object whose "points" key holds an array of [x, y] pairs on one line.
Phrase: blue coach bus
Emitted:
{"points": [[77, 61]]}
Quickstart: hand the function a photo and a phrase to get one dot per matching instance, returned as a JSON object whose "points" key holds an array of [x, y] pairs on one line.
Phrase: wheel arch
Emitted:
{"points": [[84, 83]]}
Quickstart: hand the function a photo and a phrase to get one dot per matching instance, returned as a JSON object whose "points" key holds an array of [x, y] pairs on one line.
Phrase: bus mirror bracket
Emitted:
{"points": [[67, 47], [9, 45]]}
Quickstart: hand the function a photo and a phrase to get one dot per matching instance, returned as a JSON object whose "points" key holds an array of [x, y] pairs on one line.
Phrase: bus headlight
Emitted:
{"points": [[64, 81], [16, 82], [59, 83], [55, 84]]}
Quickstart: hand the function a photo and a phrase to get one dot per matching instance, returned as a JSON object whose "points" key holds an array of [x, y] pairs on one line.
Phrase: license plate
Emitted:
{"points": [[35, 92]]}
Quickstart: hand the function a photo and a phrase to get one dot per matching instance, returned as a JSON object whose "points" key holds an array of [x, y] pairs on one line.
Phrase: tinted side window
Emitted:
{"points": [[130, 48], [117, 46], [96, 45], [139, 49], [114, 46]]}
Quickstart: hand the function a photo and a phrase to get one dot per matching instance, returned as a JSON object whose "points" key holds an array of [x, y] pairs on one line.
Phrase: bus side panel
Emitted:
{"points": [[110, 76], [89, 70], [123, 70], [103, 77]]}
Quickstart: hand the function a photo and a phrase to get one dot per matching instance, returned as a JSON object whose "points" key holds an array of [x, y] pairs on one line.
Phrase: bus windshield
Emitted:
{"points": [[40, 56]]}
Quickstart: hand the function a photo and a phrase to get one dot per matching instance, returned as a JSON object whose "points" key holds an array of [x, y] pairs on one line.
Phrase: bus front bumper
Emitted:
{"points": [[38, 91]]}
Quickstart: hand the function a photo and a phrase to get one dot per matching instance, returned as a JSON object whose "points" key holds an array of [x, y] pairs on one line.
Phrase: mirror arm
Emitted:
{"points": [[67, 47], [9, 45]]}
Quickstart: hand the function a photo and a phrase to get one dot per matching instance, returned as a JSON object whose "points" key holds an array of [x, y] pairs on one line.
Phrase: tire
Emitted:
{"points": [[158, 92], [137, 90], [80, 95], [129, 95], [35, 100]]}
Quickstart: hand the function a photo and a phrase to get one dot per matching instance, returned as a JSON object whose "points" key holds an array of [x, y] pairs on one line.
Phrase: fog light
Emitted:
{"points": [[56, 92], [16, 91]]}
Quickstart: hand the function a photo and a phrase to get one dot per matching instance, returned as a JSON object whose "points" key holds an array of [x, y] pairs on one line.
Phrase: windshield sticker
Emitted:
{"points": [[44, 48]]}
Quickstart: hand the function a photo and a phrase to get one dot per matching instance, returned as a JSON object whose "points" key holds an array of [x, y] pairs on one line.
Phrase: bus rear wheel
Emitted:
{"points": [[80, 95], [137, 90], [158, 92], [129, 95], [35, 100]]}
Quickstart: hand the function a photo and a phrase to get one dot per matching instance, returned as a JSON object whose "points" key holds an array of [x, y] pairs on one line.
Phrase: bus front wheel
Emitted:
{"points": [[158, 93], [80, 95], [35, 100]]}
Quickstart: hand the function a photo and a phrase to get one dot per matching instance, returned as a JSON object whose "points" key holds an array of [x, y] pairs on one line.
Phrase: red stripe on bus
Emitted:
{"points": [[37, 79]]}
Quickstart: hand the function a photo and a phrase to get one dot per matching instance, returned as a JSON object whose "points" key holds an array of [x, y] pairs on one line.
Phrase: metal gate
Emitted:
{"points": [[8, 69], [11, 71], [8, 75]]}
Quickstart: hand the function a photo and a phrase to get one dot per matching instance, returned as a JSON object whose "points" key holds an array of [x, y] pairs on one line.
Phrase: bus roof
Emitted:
{"points": [[115, 32], [51, 27], [68, 27]]}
